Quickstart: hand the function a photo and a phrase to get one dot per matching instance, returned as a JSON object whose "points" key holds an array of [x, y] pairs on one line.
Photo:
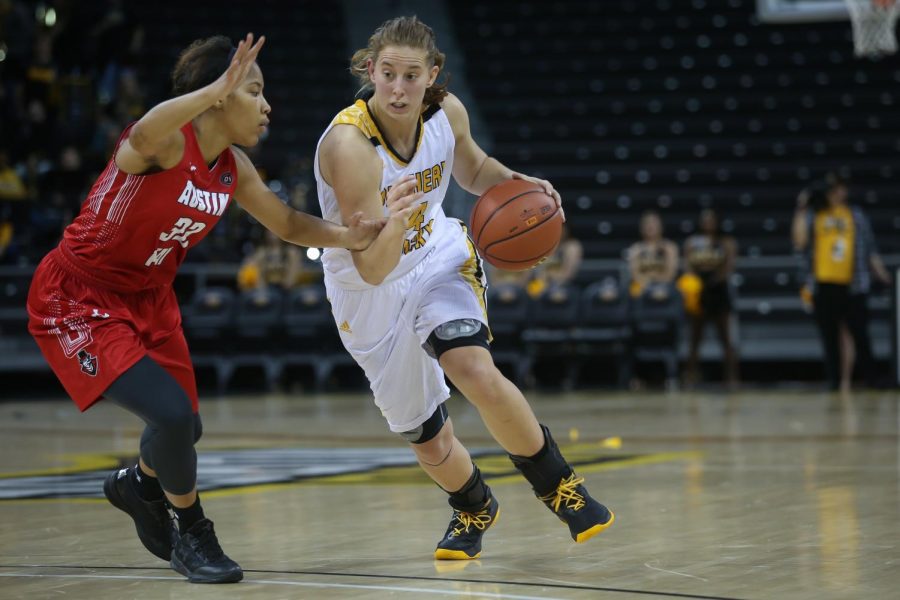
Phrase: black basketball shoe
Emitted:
{"points": [[463, 538], [198, 556], [155, 526], [574, 506]]}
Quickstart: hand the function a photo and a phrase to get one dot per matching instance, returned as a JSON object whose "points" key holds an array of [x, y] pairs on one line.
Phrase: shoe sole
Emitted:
{"points": [[113, 496], [444, 554], [231, 577], [589, 533]]}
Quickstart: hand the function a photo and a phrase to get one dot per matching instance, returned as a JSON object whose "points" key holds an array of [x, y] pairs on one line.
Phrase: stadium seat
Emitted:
{"points": [[507, 315], [656, 318]]}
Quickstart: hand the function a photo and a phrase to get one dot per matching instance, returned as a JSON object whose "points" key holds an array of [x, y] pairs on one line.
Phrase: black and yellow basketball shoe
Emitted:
{"points": [[152, 520], [463, 538], [574, 506]]}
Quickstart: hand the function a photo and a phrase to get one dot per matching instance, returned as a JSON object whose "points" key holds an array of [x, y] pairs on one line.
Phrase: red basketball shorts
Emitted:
{"points": [[90, 335]]}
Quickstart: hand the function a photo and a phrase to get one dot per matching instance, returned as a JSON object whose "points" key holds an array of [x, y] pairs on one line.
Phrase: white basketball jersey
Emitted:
{"points": [[432, 164]]}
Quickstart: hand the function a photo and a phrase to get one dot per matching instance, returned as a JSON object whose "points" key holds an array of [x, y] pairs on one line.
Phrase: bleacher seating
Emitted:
{"points": [[304, 61], [681, 105], [508, 307], [673, 105]]}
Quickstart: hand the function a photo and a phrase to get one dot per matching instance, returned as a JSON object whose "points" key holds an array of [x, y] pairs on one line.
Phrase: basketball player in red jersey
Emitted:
{"points": [[101, 304]]}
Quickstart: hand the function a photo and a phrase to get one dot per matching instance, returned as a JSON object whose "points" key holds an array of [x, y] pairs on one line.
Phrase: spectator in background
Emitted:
{"points": [[709, 258], [503, 277], [842, 258], [12, 188], [558, 269], [847, 348], [652, 266], [8, 252], [654, 259], [13, 208], [274, 263]]}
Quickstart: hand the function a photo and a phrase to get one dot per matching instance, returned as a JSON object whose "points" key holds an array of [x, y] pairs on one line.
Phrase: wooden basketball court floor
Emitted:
{"points": [[752, 495]]}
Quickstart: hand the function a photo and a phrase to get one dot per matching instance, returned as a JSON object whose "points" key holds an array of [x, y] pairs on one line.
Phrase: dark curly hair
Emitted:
{"points": [[201, 63]]}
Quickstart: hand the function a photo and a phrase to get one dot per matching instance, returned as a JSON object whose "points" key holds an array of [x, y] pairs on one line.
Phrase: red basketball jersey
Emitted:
{"points": [[134, 231]]}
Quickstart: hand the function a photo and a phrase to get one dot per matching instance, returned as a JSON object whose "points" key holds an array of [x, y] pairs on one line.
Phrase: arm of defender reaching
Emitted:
{"points": [[291, 225], [156, 140]]}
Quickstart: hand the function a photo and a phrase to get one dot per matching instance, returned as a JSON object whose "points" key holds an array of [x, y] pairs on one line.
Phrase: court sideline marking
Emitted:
{"points": [[361, 586]]}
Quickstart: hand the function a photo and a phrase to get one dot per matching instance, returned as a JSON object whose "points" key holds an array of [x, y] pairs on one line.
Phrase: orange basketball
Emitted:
{"points": [[516, 225]]}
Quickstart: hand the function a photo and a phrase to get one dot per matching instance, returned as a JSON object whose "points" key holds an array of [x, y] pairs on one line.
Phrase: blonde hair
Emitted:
{"points": [[401, 31]]}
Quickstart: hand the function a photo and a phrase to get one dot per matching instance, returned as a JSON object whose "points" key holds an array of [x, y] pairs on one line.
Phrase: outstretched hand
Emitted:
{"points": [[548, 189], [237, 70]]}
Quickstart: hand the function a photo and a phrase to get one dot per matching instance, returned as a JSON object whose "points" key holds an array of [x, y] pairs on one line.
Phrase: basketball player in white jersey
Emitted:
{"points": [[411, 307]]}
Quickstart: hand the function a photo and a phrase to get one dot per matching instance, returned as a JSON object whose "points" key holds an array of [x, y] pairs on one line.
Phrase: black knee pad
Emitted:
{"points": [[429, 429], [456, 334]]}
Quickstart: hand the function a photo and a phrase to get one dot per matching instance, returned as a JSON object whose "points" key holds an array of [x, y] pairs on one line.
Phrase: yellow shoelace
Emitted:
{"points": [[479, 520], [566, 491]]}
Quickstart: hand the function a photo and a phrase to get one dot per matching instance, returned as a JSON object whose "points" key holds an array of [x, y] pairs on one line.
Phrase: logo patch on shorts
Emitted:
{"points": [[88, 363]]}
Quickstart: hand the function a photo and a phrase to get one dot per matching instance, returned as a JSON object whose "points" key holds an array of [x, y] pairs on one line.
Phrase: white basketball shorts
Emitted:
{"points": [[384, 327]]}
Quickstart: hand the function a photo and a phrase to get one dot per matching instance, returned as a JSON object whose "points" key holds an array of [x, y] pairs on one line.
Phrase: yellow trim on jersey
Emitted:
{"points": [[834, 244], [359, 116], [472, 272]]}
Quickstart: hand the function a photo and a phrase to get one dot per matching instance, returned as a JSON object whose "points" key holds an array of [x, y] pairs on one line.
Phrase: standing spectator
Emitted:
{"points": [[654, 259], [709, 258], [841, 260]]}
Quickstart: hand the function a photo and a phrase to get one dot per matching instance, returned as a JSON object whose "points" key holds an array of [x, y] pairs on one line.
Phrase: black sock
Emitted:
{"points": [[473, 496], [546, 468], [188, 516], [147, 487]]}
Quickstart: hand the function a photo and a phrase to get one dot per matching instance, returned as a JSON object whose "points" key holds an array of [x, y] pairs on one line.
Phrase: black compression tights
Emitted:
{"points": [[167, 444]]}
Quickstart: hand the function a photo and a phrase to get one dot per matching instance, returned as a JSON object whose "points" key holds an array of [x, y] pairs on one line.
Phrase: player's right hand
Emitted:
{"points": [[237, 70], [401, 201]]}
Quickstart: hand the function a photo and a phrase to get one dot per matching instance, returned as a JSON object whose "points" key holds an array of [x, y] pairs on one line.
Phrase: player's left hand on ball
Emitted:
{"points": [[362, 232], [548, 188]]}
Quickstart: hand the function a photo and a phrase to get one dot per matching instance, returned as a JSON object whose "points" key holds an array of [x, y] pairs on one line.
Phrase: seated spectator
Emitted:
{"points": [[8, 248], [11, 185], [560, 268], [654, 259], [274, 263], [498, 276], [709, 260]]}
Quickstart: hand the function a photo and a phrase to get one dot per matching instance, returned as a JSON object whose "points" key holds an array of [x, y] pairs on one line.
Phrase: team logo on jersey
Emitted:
{"points": [[226, 179], [212, 203], [88, 363]]}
